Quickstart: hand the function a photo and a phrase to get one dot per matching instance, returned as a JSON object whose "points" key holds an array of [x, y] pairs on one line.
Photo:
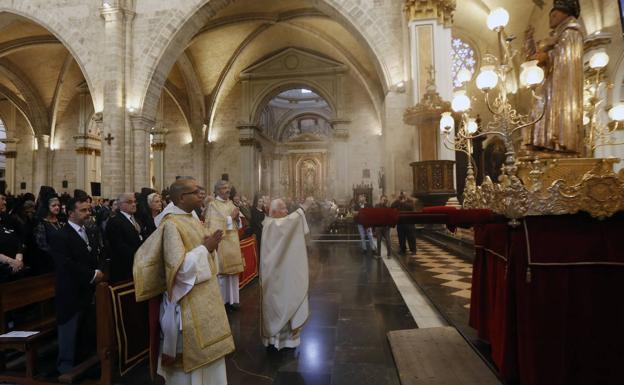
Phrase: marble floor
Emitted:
{"points": [[354, 302]]}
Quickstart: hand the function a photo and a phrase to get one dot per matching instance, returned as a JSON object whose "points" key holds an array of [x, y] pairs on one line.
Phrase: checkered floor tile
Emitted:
{"points": [[452, 272]]}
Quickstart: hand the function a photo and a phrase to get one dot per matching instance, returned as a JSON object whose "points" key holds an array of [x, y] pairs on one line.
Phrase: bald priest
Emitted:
{"points": [[284, 275], [177, 263]]}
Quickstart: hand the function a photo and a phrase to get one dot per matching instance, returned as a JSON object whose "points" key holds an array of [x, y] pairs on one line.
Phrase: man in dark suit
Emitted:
{"points": [[76, 255], [123, 235]]}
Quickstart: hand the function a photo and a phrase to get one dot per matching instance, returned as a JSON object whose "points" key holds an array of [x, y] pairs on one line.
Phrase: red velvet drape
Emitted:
{"points": [[559, 320]]}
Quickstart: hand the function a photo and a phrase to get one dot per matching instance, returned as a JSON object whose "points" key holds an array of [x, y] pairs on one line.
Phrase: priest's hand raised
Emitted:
{"points": [[212, 241], [309, 201]]}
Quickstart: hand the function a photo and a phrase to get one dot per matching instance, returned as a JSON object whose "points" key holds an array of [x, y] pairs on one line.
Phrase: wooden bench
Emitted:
{"points": [[16, 295]]}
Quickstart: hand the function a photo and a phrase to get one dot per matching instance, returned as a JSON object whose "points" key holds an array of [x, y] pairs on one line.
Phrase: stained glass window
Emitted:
{"points": [[462, 56], [2, 147]]}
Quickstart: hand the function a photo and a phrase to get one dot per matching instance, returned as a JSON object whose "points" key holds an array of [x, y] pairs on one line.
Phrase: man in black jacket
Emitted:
{"points": [[123, 235], [76, 255]]}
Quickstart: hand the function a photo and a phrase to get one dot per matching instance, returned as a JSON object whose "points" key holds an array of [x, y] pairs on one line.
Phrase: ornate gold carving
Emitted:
{"points": [[551, 187], [431, 9], [431, 106], [159, 146], [87, 151], [250, 142]]}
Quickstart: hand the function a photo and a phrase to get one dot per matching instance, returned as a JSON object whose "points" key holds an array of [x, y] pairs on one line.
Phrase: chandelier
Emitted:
{"points": [[534, 187]]}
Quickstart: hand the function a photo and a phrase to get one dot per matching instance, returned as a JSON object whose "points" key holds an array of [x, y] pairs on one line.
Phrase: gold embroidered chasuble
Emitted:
{"points": [[206, 332], [229, 254]]}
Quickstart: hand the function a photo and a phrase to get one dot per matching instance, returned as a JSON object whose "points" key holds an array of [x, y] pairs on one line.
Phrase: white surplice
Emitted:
{"points": [[170, 318], [284, 279]]}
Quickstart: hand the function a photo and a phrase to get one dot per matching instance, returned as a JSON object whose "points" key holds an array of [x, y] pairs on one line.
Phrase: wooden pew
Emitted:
{"points": [[18, 294], [122, 330]]}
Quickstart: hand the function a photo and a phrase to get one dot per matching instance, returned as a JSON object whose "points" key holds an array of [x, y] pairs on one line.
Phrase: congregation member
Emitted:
{"points": [[190, 352], [155, 206], [11, 247], [257, 217], [406, 232], [383, 232], [76, 253], [222, 214], [284, 275], [366, 233], [123, 236], [48, 224]]}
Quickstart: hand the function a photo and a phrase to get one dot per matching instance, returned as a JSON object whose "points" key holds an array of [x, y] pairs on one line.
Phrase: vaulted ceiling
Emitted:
{"points": [[37, 73]]}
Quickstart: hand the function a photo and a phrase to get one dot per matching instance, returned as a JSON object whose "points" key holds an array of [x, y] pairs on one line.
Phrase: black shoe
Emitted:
{"points": [[235, 306]]}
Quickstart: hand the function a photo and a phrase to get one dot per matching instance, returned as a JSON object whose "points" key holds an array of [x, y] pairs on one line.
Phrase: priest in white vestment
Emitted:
{"points": [[177, 263], [222, 214], [284, 275]]}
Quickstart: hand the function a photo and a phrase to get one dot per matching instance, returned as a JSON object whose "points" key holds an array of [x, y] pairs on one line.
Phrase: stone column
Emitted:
{"points": [[141, 128], [10, 153], [114, 112], [276, 175], [159, 145], [42, 153], [430, 24], [340, 151], [88, 145], [250, 146], [87, 160]]}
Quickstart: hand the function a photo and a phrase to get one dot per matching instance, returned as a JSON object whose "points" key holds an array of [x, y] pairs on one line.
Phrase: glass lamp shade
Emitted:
{"points": [[472, 126], [460, 102], [464, 75], [487, 78], [498, 18], [617, 112], [447, 123], [599, 60], [531, 74]]}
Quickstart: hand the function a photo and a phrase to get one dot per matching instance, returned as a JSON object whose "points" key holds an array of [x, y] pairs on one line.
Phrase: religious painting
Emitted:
{"points": [[309, 175]]}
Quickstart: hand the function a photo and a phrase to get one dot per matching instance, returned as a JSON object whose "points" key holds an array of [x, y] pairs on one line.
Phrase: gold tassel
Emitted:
{"points": [[528, 274]]}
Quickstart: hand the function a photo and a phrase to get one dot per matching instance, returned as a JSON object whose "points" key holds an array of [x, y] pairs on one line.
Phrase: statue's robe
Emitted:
{"points": [[284, 279], [174, 264], [230, 259], [561, 129]]}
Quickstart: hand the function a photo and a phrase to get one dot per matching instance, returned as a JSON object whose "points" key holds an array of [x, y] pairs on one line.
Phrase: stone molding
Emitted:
{"points": [[442, 10], [88, 151]]}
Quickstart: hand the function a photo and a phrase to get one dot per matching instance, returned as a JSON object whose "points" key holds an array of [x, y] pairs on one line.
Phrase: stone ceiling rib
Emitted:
{"points": [[57, 92], [18, 103], [269, 17], [226, 70], [35, 107], [178, 99], [197, 105], [12, 46]]}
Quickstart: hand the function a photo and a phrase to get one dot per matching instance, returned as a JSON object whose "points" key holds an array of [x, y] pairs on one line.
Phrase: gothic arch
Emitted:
{"points": [[167, 48], [274, 89], [64, 34]]}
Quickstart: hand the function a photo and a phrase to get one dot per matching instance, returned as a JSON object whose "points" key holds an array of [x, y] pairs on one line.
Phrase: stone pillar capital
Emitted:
{"points": [[43, 141], [341, 134], [117, 10], [141, 123], [442, 10]]}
